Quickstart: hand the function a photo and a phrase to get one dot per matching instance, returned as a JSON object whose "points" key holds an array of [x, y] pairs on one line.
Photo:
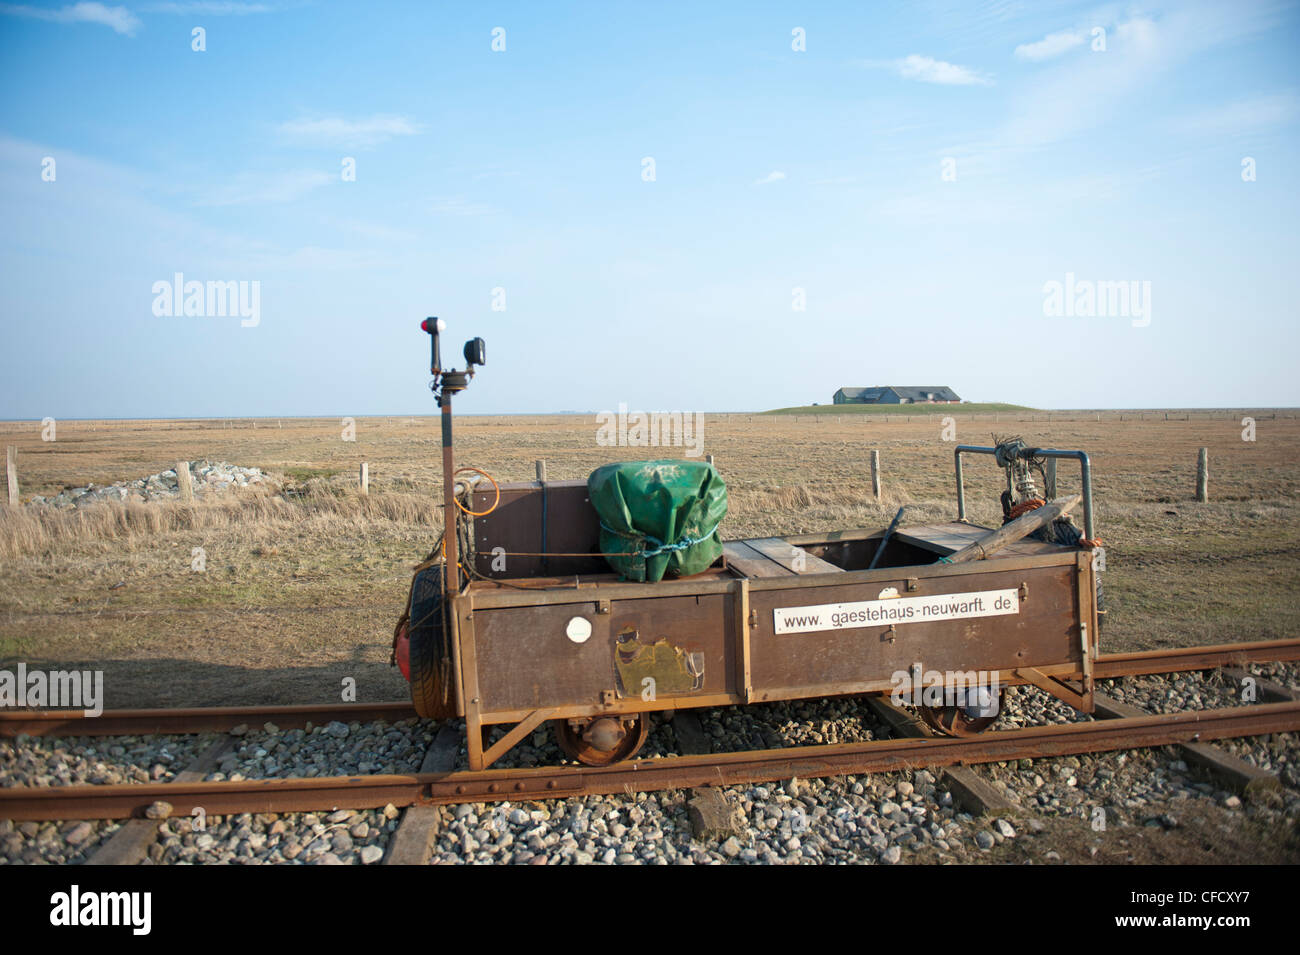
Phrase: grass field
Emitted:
{"points": [[302, 585]]}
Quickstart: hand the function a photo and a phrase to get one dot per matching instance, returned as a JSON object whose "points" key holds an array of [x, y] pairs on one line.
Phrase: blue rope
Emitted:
{"points": [[662, 548]]}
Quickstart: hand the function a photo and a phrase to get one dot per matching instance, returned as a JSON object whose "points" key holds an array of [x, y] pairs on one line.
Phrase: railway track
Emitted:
{"points": [[433, 788]]}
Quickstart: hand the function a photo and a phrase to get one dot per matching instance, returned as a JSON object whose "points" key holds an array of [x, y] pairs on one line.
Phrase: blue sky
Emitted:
{"points": [[522, 169]]}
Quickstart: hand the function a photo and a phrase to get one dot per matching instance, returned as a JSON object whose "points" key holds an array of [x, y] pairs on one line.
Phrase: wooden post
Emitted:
{"points": [[541, 472], [1203, 475], [365, 478], [875, 473], [11, 471], [183, 482], [709, 459], [1050, 490]]}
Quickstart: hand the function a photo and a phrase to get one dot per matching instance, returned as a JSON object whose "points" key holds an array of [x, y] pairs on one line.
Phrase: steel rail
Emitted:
{"points": [[1179, 659], [222, 719], [174, 722], [361, 792]]}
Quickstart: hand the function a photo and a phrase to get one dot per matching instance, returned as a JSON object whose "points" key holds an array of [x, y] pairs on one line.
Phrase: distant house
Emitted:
{"points": [[897, 395]]}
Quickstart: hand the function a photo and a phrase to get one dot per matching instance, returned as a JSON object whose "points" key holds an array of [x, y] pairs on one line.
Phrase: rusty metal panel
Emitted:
{"points": [[1043, 632], [516, 526], [531, 657]]}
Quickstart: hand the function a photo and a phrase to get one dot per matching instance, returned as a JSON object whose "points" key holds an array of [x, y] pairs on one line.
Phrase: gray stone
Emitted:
{"points": [[78, 834]]}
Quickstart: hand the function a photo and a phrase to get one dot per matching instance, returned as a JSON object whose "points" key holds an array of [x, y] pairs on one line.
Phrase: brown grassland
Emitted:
{"points": [[304, 581]]}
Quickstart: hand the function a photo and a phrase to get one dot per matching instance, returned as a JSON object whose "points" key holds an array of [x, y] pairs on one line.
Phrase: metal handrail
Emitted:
{"points": [[1085, 469]]}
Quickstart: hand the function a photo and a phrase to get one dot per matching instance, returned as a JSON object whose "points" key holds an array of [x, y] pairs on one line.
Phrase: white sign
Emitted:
{"points": [[868, 613]]}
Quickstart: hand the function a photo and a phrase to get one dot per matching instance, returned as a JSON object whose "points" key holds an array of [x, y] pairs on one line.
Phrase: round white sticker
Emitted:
{"points": [[578, 630]]}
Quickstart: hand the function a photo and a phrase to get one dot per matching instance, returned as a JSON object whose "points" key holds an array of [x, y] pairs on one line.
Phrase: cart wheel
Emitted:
{"points": [[429, 658], [959, 720], [602, 740]]}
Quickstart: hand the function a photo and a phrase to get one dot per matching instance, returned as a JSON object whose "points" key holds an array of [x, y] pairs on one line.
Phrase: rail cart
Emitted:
{"points": [[550, 634]]}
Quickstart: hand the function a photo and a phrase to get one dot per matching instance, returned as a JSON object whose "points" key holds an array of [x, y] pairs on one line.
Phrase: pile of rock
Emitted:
{"points": [[206, 478]]}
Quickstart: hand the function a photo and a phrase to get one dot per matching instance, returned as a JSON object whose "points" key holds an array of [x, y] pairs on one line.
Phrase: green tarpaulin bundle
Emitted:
{"points": [[659, 517]]}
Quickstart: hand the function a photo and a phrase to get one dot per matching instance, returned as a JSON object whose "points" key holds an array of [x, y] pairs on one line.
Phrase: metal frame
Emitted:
{"points": [[1085, 468]]}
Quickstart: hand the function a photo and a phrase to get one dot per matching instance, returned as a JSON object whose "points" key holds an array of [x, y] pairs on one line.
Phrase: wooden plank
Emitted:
{"points": [[791, 557], [972, 792], [412, 843], [691, 740], [712, 816], [130, 844], [1021, 527], [941, 538], [750, 562], [1236, 774]]}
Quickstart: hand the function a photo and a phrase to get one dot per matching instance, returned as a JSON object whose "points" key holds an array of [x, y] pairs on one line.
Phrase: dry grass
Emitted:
{"points": [[48, 532], [301, 588]]}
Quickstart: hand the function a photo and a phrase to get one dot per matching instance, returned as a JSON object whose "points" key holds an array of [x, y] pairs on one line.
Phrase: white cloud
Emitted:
{"points": [[370, 230], [459, 206], [1054, 44], [272, 187], [334, 130], [1243, 116], [926, 69], [211, 8], [775, 175], [120, 19]]}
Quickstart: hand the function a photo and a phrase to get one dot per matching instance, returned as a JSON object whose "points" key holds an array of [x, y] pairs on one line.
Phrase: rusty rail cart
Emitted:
{"points": [[557, 637]]}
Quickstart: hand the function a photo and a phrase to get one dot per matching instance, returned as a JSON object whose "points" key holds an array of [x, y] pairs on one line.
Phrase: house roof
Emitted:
{"points": [[914, 392]]}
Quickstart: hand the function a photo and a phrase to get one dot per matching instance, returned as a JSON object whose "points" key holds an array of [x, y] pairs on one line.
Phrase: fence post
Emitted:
{"points": [[541, 472], [11, 472], [365, 478], [183, 482], [875, 474], [1203, 475], [709, 459]]}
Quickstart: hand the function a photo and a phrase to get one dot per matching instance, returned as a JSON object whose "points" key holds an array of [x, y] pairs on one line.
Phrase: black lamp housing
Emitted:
{"points": [[476, 352]]}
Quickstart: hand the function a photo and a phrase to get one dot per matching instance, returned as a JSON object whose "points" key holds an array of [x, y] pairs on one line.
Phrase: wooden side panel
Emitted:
{"points": [[1044, 632], [526, 658], [516, 526]]}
